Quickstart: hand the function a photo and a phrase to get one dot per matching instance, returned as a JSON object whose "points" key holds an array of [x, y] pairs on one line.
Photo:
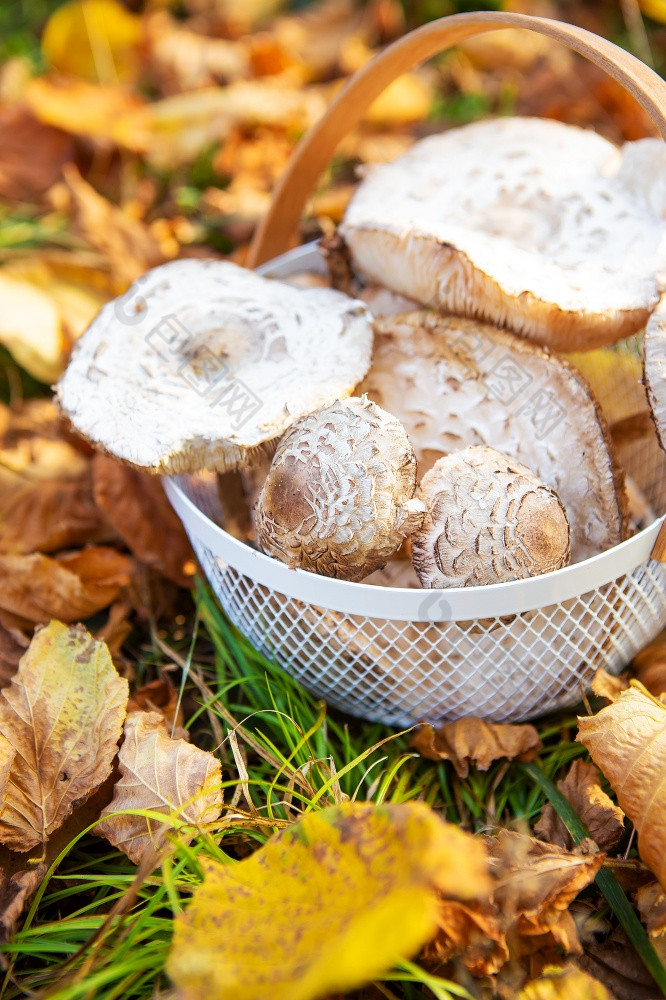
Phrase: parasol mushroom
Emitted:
{"points": [[203, 363], [545, 228]]}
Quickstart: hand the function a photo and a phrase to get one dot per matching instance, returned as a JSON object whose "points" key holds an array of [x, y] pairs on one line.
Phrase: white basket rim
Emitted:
{"points": [[398, 603]]}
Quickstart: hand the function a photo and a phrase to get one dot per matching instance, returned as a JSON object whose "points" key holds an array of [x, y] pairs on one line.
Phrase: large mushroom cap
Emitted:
{"points": [[202, 362], [457, 382], [488, 520], [545, 228]]}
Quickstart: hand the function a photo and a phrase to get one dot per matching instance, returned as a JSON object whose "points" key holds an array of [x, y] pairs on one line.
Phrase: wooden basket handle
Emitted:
{"points": [[277, 230]]}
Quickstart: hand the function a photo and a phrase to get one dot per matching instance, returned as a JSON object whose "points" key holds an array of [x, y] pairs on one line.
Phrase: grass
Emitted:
{"points": [[99, 928]]}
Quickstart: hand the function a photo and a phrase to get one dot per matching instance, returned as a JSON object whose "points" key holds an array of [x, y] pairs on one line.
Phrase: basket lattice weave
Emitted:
{"points": [[506, 652]]}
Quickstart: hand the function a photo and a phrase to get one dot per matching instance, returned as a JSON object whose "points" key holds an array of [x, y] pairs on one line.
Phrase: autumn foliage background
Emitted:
{"points": [[243, 841]]}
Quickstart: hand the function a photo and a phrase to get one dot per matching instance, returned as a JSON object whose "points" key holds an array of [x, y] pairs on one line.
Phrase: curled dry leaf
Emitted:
{"points": [[605, 685], [328, 903], [71, 587], [136, 505], [16, 892], [63, 714], [616, 964], [650, 666], [627, 740], [476, 742], [564, 984], [603, 819], [536, 883], [161, 697], [49, 516], [474, 931], [162, 775]]}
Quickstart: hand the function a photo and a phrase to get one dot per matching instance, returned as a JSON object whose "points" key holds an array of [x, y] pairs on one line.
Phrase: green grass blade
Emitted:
{"points": [[606, 880]]}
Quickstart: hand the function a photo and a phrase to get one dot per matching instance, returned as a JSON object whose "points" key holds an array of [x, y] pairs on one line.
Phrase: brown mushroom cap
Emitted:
{"points": [[488, 520], [545, 228], [457, 382], [338, 496], [202, 363]]}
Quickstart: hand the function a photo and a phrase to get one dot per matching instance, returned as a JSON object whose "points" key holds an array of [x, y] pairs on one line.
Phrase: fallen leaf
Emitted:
{"points": [[81, 108], [163, 775], [162, 698], [328, 904], [126, 242], [136, 505], [476, 742], [53, 515], [582, 789], [13, 645], [627, 740], [94, 39], [15, 894], [181, 60], [650, 666], [22, 174], [535, 885], [607, 686], [615, 963], [472, 930], [31, 328], [651, 902], [71, 587], [63, 714], [564, 984]]}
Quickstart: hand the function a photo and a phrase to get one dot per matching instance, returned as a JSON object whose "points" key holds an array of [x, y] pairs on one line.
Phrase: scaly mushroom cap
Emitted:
{"points": [[488, 520], [654, 368], [545, 228], [457, 382], [338, 496], [203, 362]]}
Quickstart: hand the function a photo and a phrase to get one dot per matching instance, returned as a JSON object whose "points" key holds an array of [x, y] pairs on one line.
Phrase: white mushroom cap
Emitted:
{"points": [[488, 520], [542, 227], [654, 368], [457, 382], [338, 496], [202, 362]]}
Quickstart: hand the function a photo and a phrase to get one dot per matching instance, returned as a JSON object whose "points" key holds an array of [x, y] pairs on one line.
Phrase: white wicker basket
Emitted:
{"points": [[506, 652]]}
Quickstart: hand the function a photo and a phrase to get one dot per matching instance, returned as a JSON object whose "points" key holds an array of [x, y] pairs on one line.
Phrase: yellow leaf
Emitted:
{"points": [[627, 740], [79, 107], [63, 714], [94, 39], [656, 9], [163, 775], [564, 984], [325, 905], [31, 328]]}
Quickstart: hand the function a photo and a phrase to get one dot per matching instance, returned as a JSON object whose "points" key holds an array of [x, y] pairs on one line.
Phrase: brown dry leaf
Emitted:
{"points": [[53, 515], [329, 903], [627, 740], [160, 697], [165, 776], [23, 175], [650, 666], [567, 983], [476, 742], [127, 243], [615, 963], [603, 819], [136, 505], [472, 930], [607, 686], [536, 884], [63, 713], [79, 107], [13, 644], [651, 902], [180, 60], [16, 891], [70, 588]]}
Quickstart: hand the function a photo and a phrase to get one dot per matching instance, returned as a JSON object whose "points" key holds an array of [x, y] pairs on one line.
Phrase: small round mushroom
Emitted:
{"points": [[541, 227], [338, 498], [488, 520]]}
